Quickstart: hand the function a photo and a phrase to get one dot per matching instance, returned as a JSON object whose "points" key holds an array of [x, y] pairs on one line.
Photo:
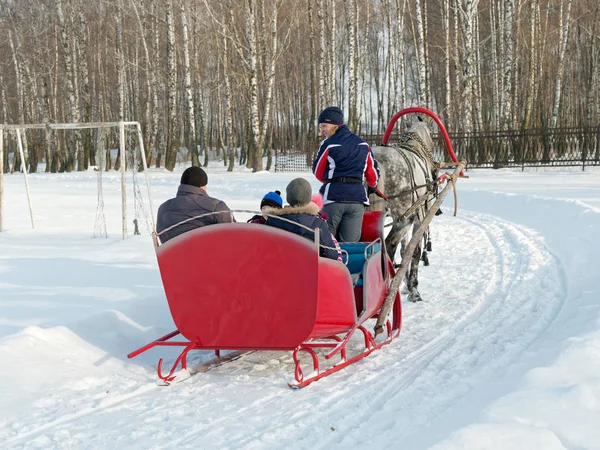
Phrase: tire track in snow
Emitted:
{"points": [[499, 322], [519, 303], [465, 330]]}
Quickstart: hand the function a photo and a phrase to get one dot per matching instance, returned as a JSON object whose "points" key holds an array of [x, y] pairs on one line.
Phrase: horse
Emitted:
{"points": [[408, 179]]}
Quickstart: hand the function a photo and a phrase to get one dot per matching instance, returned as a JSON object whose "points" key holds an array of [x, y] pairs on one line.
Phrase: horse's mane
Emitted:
{"points": [[418, 140]]}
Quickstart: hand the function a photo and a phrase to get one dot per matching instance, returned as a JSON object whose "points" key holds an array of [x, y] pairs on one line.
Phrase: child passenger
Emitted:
{"points": [[271, 200], [302, 211]]}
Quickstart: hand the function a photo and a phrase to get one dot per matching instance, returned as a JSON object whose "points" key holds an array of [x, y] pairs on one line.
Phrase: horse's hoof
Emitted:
{"points": [[414, 298]]}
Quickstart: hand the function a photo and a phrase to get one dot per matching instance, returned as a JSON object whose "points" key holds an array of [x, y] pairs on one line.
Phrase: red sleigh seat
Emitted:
{"points": [[245, 286], [242, 286]]}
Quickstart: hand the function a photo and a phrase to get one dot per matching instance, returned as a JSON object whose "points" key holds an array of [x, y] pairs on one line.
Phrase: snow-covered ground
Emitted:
{"points": [[504, 353]]}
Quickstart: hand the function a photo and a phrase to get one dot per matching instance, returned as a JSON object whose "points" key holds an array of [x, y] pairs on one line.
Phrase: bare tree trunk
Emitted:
{"points": [[73, 144], [254, 153], [468, 10], [230, 136], [361, 68], [321, 96], [507, 64], [457, 66], [401, 93], [421, 55], [172, 142], [85, 101], [313, 82], [565, 22], [390, 58], [150, 112], [191, 119], [350, 29], [533, 71], [446, 114], [156, 137], [477, 82], [496, 106], [120, 76], [332, 94], [271, 55], [20, 94]]}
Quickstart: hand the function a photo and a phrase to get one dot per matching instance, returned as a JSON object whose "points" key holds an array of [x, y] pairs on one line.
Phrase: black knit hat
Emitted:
{"points": [[194, 176], [298, 192], [333, 115]]}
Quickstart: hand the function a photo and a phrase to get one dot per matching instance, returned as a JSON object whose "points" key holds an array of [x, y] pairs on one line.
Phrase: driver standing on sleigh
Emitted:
{"points": [[344, 161]]}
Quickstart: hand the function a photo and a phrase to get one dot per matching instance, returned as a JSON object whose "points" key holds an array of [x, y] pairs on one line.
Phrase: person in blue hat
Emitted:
{"points": [[271, 200], [343, 163]]}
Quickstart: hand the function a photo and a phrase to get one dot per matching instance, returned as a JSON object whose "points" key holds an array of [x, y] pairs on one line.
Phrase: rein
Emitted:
{"points": [[408, 191]]}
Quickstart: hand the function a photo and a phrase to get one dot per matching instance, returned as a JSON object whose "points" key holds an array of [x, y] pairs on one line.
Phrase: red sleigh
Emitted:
{"points": [[248, 287]]}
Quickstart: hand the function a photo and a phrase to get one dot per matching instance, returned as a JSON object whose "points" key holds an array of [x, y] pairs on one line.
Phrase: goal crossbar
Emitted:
{"points": [[18, 128]]}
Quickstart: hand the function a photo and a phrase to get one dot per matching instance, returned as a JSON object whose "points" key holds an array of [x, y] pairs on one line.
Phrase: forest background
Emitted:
{"points": [[243, 78]]}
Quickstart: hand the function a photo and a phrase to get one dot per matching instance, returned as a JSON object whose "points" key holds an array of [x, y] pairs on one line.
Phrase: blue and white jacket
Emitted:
{"points": [[341, 157]]}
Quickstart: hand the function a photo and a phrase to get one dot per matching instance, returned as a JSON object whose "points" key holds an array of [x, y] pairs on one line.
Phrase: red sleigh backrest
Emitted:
{"points": [[372, 226], [241, 286]]}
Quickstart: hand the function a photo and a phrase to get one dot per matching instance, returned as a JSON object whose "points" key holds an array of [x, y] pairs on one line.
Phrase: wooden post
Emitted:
{"points": [[24, 169], [143, 152], [123, 178], [410, 248]]}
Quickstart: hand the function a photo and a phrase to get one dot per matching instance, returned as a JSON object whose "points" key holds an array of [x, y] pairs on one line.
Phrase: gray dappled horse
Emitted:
{"points": [[407, 178]]}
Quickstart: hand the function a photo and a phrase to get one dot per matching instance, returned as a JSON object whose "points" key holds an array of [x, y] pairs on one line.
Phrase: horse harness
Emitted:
{"points": [[421, 152]]}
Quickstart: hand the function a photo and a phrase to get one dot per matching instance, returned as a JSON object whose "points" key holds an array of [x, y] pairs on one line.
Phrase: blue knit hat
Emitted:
{"points": [[333, 115], [272, 199]]}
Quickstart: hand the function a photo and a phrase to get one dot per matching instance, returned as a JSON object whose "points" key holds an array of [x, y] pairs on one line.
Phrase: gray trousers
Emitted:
{"points": [[345, 220]]}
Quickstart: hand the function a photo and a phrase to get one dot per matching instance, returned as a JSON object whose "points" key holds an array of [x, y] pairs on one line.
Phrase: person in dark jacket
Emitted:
{"points": [[192, 200], [302, 211], [344, 161], [269, 201]]}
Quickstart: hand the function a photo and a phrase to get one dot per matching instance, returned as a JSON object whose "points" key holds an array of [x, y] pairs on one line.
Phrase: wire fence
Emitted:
{"points": [[495, 149]]}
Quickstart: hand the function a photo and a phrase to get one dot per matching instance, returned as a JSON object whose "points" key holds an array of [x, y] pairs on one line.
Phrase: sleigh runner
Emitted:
{"points": [[247, 287]]}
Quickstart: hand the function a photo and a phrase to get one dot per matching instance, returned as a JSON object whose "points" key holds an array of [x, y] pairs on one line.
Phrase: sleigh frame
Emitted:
{"points": [[241, 287]]}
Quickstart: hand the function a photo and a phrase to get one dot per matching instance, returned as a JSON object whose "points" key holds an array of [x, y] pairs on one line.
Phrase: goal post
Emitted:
{"points": [[18, 129]]}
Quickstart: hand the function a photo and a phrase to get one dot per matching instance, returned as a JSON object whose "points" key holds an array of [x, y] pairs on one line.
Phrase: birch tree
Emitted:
{"points": [[322, 95], [151, 113], [468, 10], [230, 142], [349, 6], [254, 153], [313, 66], [421, 55], [74, 138], [332, 95], [191, 120], [532, 85], [447, 55], [564, 27], [172, 135], [507, 65], [401, 72], [84, 101]]}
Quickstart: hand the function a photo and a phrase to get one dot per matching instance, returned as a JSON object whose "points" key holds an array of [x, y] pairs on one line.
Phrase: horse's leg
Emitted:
{"points": [[397, 236], [403, 244], [412, 278]]}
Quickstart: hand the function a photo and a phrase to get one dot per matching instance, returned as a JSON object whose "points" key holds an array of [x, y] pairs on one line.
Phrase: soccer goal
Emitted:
{"points": [[128, 157]]}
